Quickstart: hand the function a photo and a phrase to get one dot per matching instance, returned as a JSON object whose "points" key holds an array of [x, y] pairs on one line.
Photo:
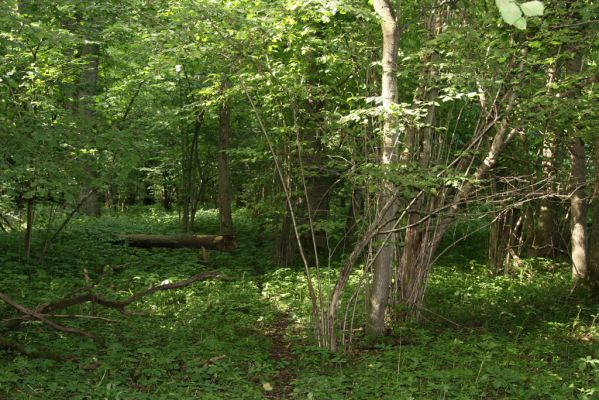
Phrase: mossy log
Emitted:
{"points": [[208, 242]]}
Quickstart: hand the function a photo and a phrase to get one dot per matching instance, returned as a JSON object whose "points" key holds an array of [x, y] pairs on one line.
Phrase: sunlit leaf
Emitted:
{"points": [[520, 23], [532, 8], [510, 12]]}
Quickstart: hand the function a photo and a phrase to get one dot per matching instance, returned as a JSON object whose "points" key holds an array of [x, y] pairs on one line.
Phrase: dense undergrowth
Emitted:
{"points": [[517, 337]]}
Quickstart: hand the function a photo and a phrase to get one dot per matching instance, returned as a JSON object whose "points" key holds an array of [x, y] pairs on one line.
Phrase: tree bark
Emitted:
{"points": [[383, 264], [578, 211], [578, 200]]}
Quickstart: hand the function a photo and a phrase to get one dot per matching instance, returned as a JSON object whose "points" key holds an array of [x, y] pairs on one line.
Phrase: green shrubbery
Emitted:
{"points": [[480, 337]]}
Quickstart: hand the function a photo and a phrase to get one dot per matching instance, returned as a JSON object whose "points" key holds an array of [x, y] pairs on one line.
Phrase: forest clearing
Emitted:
{"points": [[346, 199]]}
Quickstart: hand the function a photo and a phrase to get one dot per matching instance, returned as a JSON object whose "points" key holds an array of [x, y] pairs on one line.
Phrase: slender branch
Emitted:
{"points": [[7, 222], [45, 320], [132, 101], [592, 21], [42, 312], [445, 318], [287, 190], [67, 220], [29, 317], [175, 285]]}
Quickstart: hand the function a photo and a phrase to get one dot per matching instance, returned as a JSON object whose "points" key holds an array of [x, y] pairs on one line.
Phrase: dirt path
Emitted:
{"points": [[281, 354]]}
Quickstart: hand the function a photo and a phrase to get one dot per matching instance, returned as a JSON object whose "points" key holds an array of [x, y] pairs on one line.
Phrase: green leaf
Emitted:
{"points": [[535, 44], [510, 12], [532, 8], [520, 23]]}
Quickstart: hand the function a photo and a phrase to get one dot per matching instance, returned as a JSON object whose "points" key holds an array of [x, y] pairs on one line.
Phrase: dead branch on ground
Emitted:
{"points": [[44, 312]]}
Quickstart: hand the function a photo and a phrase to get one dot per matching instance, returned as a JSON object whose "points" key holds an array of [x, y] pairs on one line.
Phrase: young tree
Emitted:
{"points": [[389, 14], [224, 176]]}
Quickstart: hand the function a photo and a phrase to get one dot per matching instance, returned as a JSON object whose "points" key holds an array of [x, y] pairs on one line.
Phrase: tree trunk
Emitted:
{"points": [[578, 211], [578, 200], [311, 181], [413, 266], [286, 241], [546, 233], [504, 133], [312, 206], [383, 264], [505, 241], [318, 206], [355, 209], [545, 236], [85, 101], [91, 206], [167, 196], [209, 242], [189, 173], [29, 230], [224, 179], [286, 245]]}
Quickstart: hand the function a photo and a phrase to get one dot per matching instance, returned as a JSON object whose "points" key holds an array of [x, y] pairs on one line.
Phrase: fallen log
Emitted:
{"points": [[208, 242]]}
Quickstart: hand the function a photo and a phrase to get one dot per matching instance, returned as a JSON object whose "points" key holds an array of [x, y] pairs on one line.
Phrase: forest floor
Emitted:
{"points": [[513, 337], [280, 353]]}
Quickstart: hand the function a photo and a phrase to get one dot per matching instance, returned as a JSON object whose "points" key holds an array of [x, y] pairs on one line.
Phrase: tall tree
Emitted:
{"points": [[84, 104], [546, 235], [578, 200], [224, 175], [578, 210], [389, 14]]}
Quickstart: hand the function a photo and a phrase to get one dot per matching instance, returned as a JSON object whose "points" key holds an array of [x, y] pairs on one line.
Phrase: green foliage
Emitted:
{"points": [[481, 337], [313, 72], [532, 8], [510, 11], [515, 14], [163, 355]]}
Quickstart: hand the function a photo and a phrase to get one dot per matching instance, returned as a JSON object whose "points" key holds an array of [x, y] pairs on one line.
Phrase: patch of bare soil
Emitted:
{"points": [[281, 353]]}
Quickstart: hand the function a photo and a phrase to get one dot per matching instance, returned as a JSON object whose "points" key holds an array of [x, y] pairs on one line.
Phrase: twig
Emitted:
{"points": [[445, 318], [67, 220], [592, 21], [213, 360]]}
